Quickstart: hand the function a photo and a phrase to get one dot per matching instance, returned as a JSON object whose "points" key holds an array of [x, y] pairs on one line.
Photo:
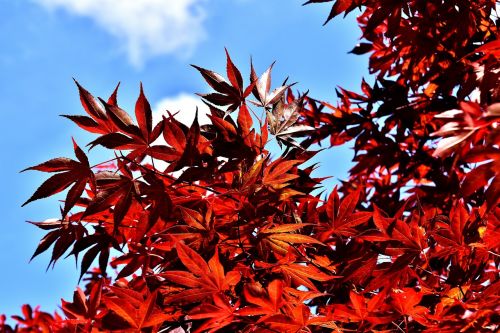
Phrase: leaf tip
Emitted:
{"points": [[75, 145], [77, 84], [28, 168]]}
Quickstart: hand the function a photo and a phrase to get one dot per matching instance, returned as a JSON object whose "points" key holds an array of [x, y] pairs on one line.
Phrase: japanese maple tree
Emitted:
{"points": [[201, 229]]}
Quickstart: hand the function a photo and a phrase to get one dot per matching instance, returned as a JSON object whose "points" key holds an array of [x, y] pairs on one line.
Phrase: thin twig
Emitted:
{"points": [[111, 160], [399, 328], [429, 272]]}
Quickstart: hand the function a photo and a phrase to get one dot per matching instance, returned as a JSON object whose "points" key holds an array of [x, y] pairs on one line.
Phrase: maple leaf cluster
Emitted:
{"points": [[201, 229]]}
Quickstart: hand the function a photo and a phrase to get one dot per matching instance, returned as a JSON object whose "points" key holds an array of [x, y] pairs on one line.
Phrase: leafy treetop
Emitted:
{"points": [[216, 235]]}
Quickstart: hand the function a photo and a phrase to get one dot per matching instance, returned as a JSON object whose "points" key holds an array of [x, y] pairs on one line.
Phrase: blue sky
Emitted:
{"points": [[44, 43]]}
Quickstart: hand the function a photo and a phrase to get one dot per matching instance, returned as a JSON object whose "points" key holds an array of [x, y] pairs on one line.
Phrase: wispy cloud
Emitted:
{"points": [[184, 105], [147, 28]]}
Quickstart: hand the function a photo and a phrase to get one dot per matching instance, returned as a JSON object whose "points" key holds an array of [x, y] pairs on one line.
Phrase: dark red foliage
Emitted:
{"points": [[213, 234]]}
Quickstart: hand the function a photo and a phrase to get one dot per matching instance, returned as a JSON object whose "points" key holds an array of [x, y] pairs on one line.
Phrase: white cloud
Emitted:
{"points": [[147, 28], [185, 105]]}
